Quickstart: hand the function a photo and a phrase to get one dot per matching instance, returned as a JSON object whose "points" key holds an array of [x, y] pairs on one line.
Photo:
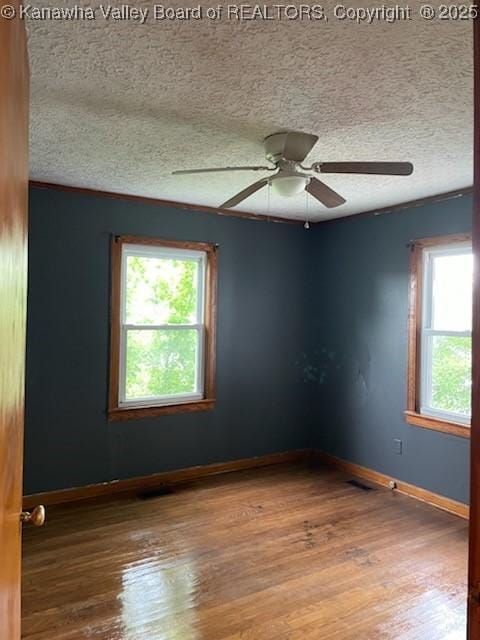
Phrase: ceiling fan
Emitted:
{"points": [[287, 151]]}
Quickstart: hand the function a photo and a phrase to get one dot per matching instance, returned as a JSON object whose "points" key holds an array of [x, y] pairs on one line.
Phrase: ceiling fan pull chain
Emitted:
{"points": [[307, 224]]}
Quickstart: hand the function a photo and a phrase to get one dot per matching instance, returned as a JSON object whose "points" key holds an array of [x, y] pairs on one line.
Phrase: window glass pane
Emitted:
{"points": [[161, 290], [160, 362], [451, 373], [452, 292]]}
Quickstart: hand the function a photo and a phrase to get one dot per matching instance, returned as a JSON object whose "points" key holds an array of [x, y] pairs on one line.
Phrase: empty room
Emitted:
{"points": [[239, 321]]}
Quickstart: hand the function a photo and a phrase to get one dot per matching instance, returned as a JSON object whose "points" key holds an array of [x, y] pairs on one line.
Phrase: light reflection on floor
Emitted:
{"points": [[151, 586], [439, 614]]}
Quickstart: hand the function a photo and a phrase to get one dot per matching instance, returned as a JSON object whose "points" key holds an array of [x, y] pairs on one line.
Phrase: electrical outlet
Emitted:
{"points": [[397, 446]]}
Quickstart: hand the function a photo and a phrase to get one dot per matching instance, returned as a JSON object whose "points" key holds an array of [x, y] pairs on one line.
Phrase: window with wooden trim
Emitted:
{"points": [[440, 343], [163, 308]]}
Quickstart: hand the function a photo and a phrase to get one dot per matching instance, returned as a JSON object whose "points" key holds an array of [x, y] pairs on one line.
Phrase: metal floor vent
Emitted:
{"points": [[360, 485], [156, 493]]}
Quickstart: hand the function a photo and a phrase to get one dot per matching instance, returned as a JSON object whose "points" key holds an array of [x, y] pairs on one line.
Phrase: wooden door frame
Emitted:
{"points": [[473, 616], [14, 108]]}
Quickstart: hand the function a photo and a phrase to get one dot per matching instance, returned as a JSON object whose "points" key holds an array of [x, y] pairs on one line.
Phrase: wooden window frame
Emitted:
{"points": [[207, 403], [412, 413]]}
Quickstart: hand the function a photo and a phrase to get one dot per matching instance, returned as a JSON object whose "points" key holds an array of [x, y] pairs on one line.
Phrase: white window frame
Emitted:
{"points": [[428, 333], [200, 257]]}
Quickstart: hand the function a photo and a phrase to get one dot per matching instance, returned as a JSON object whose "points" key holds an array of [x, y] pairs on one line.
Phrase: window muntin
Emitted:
{"points": [[445, 341], [162, 326]]}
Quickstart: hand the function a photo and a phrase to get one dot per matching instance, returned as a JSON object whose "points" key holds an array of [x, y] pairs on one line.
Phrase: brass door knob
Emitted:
{"points": [[36, 517]]}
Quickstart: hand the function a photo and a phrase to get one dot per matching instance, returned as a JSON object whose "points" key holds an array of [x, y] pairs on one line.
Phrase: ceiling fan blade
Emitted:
{"points": [[219, 169], [298, 145], [378, 168], [324, 194], [245, 193]]}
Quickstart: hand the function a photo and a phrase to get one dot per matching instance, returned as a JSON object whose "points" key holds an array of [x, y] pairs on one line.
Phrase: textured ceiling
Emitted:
{"points": [[117, 105]]}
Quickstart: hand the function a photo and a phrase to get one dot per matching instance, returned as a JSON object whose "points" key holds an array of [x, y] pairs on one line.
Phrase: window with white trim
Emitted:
{"points": [[163, 326], [445, 333]]}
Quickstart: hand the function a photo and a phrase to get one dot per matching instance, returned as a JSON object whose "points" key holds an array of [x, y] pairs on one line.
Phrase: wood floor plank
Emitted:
{"points": [[290, 552]]}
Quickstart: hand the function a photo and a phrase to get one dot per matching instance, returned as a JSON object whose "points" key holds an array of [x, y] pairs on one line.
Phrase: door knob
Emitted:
{"points": [[36, 517]]}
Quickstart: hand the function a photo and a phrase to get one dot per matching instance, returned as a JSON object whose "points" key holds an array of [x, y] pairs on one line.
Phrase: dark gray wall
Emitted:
{"points": [[357, 299], [261, 403], [312, 345]]}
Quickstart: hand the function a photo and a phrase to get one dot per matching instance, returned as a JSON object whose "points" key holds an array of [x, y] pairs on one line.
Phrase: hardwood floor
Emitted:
{"points": [[286, 552]]}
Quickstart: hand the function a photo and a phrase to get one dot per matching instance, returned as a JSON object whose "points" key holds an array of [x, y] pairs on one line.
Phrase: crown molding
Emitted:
{"points": [[186, 206], [163, 203], [408, 204]]}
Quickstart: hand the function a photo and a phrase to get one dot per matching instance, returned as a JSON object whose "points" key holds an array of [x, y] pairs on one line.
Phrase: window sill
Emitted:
{"points": [[132, 413], [436, 424]]}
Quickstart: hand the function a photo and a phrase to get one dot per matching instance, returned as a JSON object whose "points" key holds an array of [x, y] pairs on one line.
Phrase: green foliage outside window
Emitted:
{"points": [[161, 291], [451, 373]]}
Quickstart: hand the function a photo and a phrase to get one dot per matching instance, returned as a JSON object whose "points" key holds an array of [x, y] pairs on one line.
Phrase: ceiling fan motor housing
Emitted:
{"points": [[275, 146]]}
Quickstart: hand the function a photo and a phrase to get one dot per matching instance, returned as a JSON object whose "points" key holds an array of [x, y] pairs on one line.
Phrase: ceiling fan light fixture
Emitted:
{"points": [[289, 186]]}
